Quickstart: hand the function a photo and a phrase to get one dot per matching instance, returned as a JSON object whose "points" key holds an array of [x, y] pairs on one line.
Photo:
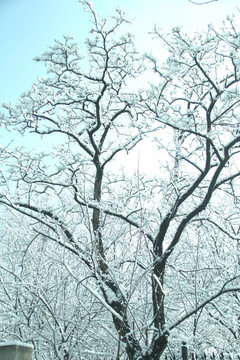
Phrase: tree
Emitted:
{"points": [[41, 303], [126, 238]]}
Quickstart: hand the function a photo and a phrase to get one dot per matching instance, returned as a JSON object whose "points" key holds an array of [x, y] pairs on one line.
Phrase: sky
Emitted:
{"points": [[28, 27]]}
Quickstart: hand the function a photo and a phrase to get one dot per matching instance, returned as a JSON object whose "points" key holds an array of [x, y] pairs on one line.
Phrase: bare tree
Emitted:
{"points": [[126, 230]]}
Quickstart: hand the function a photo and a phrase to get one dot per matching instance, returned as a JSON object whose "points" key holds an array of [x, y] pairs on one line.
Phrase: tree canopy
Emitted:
{"points": [[104, 261]]}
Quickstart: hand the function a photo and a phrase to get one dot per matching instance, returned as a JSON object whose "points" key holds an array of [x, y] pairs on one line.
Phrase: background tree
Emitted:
{"points": [[145, 248], [41, 303]]}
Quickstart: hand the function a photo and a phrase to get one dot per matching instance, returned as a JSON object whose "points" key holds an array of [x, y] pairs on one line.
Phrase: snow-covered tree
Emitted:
{"points": [[156, 256], [41, 302]]}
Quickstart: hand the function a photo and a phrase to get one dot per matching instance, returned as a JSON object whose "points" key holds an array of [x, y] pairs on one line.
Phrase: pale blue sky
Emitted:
{"points": [[27, 27]]}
